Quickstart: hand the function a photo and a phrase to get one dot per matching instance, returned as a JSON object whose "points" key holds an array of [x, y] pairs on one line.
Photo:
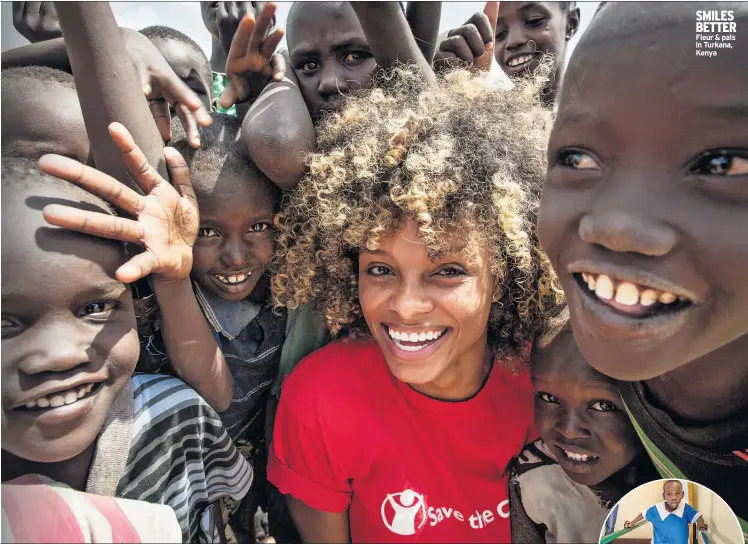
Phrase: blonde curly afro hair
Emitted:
{"points": [[454, 155]]}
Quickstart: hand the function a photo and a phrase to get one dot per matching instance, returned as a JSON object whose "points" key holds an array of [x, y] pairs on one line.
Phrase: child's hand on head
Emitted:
{"points": [[162, 87], [228, 17], [472, 43], [165, 221], [252, 62], [36, 21]]}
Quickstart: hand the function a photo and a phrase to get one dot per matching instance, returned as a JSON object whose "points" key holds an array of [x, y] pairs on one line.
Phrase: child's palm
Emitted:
{"points": [[165, 221]]}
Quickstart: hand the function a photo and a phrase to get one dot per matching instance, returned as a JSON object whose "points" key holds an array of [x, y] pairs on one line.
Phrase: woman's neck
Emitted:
{"points": [[462, 379], [72, 472], [707, 389]]}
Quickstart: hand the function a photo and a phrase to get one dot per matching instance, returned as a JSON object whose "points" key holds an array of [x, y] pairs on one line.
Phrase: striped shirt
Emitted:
{"points": [[162, 443]]}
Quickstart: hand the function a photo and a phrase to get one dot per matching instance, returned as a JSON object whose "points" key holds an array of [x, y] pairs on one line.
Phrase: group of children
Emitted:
{"points": [[147, 361]]}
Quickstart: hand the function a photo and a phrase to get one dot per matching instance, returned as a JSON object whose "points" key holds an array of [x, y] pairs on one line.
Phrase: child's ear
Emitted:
{"points": [[572, 23]]}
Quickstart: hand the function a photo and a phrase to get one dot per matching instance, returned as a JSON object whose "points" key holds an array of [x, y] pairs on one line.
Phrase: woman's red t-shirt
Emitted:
{"points": [[348, 434]]}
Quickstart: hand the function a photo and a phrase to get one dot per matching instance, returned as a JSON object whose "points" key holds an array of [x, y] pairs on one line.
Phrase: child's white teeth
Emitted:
{"points": [[62, 398], [627, 294], [577, 456], [604, 287], [648, 297]]}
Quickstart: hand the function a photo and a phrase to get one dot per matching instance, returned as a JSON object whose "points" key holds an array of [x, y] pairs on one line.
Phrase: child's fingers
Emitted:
{"points": [[458, 46], [264, 21], [161, 114], [189, 124], [135, 161], [228, 96], [279, 67], [271, 43], [179, 173], [232, 10], [94, 181], [138, 267], [221, 12], [240, 43], [94, 223], [176, 91], [472, 37], [492, 12]]}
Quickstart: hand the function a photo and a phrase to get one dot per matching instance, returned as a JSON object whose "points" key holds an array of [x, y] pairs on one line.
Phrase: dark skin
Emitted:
{"points": [[48, 120], [36, 21], [221, 19], [189, 66], [77, 331], [159, 82], [578, 410], [525, 31], [470, 45], [672, 492], [659, 206]]}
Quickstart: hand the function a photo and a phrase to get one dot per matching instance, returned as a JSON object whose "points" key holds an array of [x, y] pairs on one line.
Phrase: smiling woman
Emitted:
{"points": [[416, 228]]}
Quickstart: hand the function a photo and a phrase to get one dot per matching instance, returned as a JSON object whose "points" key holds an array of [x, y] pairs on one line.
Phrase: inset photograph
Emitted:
{"points": [[671, 512]]}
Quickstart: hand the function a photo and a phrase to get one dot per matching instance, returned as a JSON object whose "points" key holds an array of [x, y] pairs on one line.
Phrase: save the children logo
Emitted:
{"points": [[404, 513]]}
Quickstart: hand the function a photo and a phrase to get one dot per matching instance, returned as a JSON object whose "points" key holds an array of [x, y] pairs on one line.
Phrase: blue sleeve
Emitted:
{"points": [[690, 513], [651, 514]]}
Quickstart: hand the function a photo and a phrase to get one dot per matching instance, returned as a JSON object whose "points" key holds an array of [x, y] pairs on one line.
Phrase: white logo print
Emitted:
{"points": [[403, 514]]}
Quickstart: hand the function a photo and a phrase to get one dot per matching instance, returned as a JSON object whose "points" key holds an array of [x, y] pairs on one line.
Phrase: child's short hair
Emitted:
{"points": [[220, 150], [15, 79], [452, 154], [168, 33], [666, 482]]}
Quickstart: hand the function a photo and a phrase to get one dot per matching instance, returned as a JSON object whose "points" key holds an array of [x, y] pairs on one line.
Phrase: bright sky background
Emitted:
{"points": [[185, 17]]}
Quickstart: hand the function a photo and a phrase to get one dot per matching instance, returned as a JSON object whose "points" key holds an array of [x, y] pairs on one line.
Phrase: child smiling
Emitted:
{"points": [[644, 216]]}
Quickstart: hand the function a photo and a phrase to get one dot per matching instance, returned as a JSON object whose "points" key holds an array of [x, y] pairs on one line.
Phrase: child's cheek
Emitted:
{"points": [[124, 356]]}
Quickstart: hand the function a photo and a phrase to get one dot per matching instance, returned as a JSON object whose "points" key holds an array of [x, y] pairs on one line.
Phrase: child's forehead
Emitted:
{"points": [[316, 22]]}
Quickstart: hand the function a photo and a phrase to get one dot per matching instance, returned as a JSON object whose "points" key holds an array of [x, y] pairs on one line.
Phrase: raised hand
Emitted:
{"points": [[252, 62], [164, 222], [36, 21], [472, 44], [162, 88]]}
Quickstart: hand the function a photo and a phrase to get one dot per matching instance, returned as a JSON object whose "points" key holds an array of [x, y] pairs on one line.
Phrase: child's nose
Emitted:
{"points": [[571, 426], [57, 347], [516, 37], [626, 232], [235, 254], [331, 81]]}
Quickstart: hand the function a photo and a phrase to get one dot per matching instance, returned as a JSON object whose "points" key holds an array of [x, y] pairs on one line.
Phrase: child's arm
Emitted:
{"points": [[165, 225], [389, 36], [36, 21], [702, 525], [423, 19], [319, 526], [636, 520]]}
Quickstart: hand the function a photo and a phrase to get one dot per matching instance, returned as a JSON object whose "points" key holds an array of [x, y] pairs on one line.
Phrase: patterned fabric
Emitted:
{"points": [[162, 443], [703, 455], [219, 84], [61, 514]]}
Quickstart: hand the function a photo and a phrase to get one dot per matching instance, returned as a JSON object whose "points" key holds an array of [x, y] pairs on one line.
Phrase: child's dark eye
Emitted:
{"points": [[98, 309], [378, 270], [355, 57], [547, 397], [725, 162], [603, 406], [207, 233], [577, 160], [535, 21], [500, 35], [309, 66], [10, 327], [261, 227], [450, 272]]}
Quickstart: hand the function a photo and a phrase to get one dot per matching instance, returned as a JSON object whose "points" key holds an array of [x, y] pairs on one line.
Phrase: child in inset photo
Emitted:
{"points": [[587, 457], [644, 217], [671, 517]]}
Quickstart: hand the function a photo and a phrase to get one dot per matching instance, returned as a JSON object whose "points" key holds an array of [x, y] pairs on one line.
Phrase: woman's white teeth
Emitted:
{"points": [[62, 398], [233, 279], [427, 336], [625, 292]]}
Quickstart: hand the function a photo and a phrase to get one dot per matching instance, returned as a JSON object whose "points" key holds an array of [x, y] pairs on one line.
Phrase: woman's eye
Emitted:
{"points": [[207, 233], [261, 227], [450, 272], [577, 160], [96, 308], [603, 406], [721, 163], [378, 270], [547, 397]]}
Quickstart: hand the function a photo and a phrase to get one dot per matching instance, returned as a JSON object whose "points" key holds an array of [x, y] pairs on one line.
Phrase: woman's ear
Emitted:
{"points": [[572, 23]]}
